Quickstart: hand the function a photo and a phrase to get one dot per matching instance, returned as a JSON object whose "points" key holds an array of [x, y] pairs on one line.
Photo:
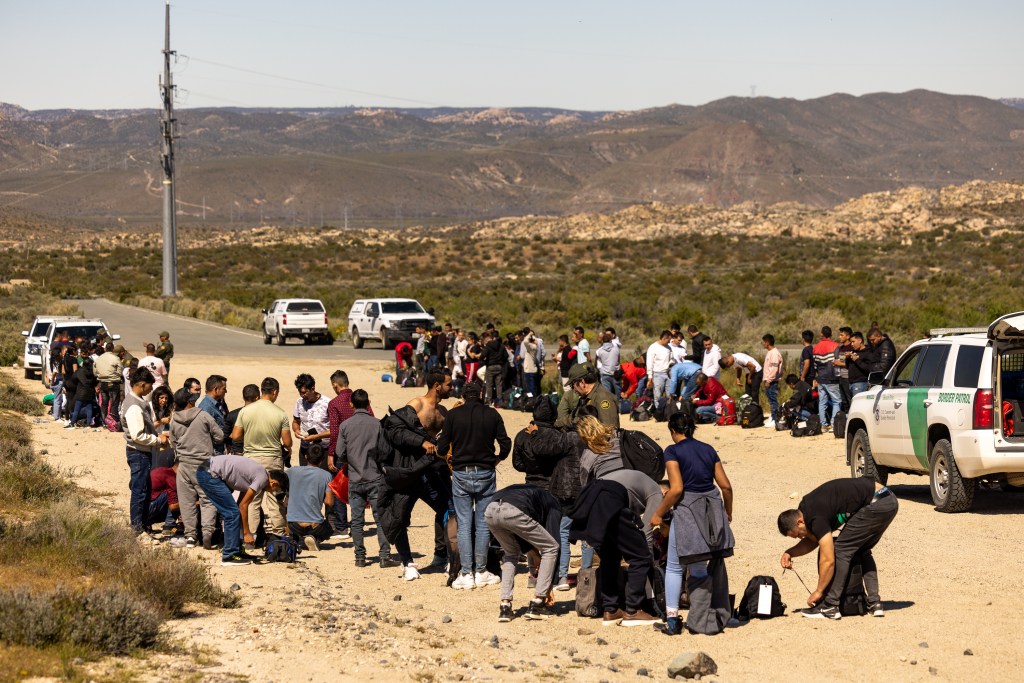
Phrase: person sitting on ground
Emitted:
{"points": [[525, 519], [801, 402], [140, 436], [308, 492], [602, 517], [707, 397], [228, 474], [193, 434], [163, 497], [586, 389], [356, 447], [693, 469], [864, 509]]}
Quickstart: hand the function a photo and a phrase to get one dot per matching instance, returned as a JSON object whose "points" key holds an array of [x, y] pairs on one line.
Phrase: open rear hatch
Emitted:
{"points": [[1007, 335]]}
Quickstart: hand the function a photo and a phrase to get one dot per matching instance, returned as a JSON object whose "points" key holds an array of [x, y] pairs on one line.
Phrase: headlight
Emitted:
{"points": [[35, 348]]}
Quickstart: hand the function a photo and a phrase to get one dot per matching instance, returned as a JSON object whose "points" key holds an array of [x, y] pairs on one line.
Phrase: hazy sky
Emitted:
{"points": [[578, 55]]}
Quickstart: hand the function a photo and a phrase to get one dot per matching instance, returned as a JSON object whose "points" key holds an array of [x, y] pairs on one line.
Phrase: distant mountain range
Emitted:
{"points": [[394, 166]]}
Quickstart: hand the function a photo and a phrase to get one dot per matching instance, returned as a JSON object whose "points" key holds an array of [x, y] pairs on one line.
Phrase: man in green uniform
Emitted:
{"points": [[586, 389], [165, 351]]}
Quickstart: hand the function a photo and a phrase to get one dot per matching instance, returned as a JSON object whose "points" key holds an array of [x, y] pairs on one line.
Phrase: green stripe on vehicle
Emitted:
{"points": [[917, 415]]}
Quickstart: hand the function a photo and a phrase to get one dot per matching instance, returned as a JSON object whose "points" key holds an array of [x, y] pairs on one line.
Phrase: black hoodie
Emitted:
{"points": [[537, 454]]}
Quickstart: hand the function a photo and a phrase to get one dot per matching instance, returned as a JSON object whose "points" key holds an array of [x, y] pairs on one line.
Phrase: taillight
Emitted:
{"points": [[326, 324], [984, 409], [284, 319], [1008, 426]]}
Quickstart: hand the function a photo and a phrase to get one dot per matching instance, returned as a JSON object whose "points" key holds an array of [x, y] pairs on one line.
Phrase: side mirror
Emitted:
{"points": [[876, 378], [115, 337], [24, 333], [430, 310], [263, 311]]}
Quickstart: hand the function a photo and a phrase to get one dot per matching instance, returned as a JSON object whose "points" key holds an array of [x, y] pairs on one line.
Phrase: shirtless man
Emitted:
{"points": [[426, 406]]}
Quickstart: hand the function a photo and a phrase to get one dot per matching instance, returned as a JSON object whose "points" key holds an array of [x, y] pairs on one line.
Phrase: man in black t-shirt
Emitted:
{"points": [[864, 509]]}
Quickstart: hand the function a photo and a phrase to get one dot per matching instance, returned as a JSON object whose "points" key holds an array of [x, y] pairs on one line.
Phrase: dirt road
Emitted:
{"points": [[949, 581]]}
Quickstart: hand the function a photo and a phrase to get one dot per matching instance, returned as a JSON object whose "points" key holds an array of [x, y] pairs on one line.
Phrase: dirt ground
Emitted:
{"points": [[949, 582]]}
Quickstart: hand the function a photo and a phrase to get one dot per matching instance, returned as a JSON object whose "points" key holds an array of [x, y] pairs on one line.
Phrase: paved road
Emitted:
{"points": [[190, 336]]}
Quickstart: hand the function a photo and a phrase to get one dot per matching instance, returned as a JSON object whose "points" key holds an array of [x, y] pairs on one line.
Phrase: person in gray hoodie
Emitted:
{"points": [[194, 433]]}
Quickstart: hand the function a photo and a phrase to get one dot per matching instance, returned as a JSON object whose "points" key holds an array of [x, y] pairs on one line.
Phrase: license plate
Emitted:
{"points": [[305, 329]]}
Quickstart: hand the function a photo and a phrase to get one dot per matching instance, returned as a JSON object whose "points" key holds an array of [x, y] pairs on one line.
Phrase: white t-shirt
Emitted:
{"points": [[742, 359], [678, 352], [157, 367], [312, 415], [582, 349], [710, 365], [658, 358]]}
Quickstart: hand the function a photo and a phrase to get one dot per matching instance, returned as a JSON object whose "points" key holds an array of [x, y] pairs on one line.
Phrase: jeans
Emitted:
{"points": [[660, 385], [81, 406], [494, 386], [641, 386], [753, 386], [158, 509], [772, 392], [472, 490], [689, 388], [111, 397], [828, 395], [436, 492], [609, 383], [57, 386], [220, 495], [706, 414], [140, 464], [858, 388], [563, 556], [358, 495], [531, 383]]}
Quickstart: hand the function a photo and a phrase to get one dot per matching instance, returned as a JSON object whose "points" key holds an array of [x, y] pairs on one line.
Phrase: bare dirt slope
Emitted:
{"points": [[949, 582]]}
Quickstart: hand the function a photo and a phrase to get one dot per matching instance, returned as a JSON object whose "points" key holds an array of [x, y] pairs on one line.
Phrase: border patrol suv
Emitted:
{"points": [[951, 408]]}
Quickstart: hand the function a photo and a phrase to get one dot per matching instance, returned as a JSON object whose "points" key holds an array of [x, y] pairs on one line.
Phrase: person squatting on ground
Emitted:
{"points": [[699, 536], [311, 427], [308, 493], [471, 431], [525, 519], [194, 435], [864, 509]]}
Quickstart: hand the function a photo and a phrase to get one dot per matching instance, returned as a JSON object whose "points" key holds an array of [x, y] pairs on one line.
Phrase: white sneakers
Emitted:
{"points": [[486, 578], [410, 572], [464, 582]]}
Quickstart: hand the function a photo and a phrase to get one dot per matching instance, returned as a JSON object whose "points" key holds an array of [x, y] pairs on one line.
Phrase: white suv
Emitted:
{"points": [[389, 320], [952, 407]]}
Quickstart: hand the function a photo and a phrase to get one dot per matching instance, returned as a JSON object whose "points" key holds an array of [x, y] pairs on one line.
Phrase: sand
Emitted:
{"points": [[949, 582]]}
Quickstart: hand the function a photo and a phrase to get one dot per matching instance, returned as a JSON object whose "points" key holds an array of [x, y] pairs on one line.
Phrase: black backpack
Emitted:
{"points": [[812, 427], [748, 605], [751, 416], [642, 411], [641, 453], [282, 549], [839, 425]]}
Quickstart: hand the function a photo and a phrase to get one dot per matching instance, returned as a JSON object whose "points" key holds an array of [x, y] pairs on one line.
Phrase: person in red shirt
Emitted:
{"points": [[340, 409], [709, 392], [633, 377], [403, 356], [163, 500]]}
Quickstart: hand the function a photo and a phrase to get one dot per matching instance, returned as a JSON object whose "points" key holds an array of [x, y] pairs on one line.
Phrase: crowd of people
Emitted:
{"points": [[213, 477]]}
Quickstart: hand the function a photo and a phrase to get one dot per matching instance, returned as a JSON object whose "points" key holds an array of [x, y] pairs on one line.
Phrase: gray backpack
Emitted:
{"points": [[586, 593]]}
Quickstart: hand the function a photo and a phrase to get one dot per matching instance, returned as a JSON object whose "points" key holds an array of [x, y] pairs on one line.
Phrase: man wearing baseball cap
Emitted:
{"points": [[165, 351], [585, 389]]}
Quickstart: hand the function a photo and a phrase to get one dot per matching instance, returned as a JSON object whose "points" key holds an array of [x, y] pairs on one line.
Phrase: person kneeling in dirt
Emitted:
{"points": [[864, 508], [236, 473], [526, 518], [602, 517]]}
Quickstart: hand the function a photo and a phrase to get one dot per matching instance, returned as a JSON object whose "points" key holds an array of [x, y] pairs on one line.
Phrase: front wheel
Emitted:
{"points": [[357, 341], [384, 341], [266, 336], [950, 491], [862, 462]]}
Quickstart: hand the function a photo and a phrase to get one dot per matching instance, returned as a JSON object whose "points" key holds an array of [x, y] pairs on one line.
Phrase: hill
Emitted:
{"points": [[393, 167]]}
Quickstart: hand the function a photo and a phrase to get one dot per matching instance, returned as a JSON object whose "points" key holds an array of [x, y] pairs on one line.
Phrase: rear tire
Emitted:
{"points": [[280, 338], [862, 462], [357, 341], [950, 491], [30, 373]]}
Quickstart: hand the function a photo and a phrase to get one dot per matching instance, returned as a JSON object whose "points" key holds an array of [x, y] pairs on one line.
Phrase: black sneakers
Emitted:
{"points": [[820, 611], [389, 562], [538, 610], [505, 612], [876, 610], [237, 559], [361, 562]]}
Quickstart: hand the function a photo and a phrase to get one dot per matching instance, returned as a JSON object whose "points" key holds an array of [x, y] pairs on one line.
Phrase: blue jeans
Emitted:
{"points": [[220, 495], [772, 392], [358, 495], [158, 509], [674, 574], [690, 388], [706, 414], [531, 383], [609, 383], [858, 388], [473, 487], [140, 464], [828, 395], [79, 407], [57, 387], [660, 385]]}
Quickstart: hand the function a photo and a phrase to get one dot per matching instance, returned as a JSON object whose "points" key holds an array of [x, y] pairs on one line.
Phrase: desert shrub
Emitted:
{"points": [[13, 397], [24, 478], [106, 620]]}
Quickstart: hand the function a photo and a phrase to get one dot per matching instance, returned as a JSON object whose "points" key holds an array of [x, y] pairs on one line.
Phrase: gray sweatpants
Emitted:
{"points": [[861, 533], [508, 524], [189, 494]]}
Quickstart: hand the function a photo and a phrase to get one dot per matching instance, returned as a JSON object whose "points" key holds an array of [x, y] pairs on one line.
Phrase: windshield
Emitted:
{"points": [[83, 331], [401, 307], [40, 329], [305, 307]]}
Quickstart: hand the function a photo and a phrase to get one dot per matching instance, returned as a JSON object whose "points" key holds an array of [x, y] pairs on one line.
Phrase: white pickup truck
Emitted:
{"points": [[304, 319], [388, 320]]}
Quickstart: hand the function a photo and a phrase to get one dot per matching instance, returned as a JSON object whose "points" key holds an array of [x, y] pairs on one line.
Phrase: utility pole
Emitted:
{"points": [[167, 126]]}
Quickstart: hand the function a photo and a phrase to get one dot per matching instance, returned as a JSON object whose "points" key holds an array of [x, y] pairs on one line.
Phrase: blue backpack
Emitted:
{"points": [[283, 549]]}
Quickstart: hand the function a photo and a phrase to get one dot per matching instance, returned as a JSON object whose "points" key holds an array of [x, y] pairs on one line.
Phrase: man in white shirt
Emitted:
{"points": [[659, 358], [581, 345], [155, 366], [678, 348], [741, 362], [712, 354]]}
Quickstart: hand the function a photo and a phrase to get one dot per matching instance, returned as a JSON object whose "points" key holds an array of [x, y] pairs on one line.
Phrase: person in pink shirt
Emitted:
{"points": [[772, 374]]}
